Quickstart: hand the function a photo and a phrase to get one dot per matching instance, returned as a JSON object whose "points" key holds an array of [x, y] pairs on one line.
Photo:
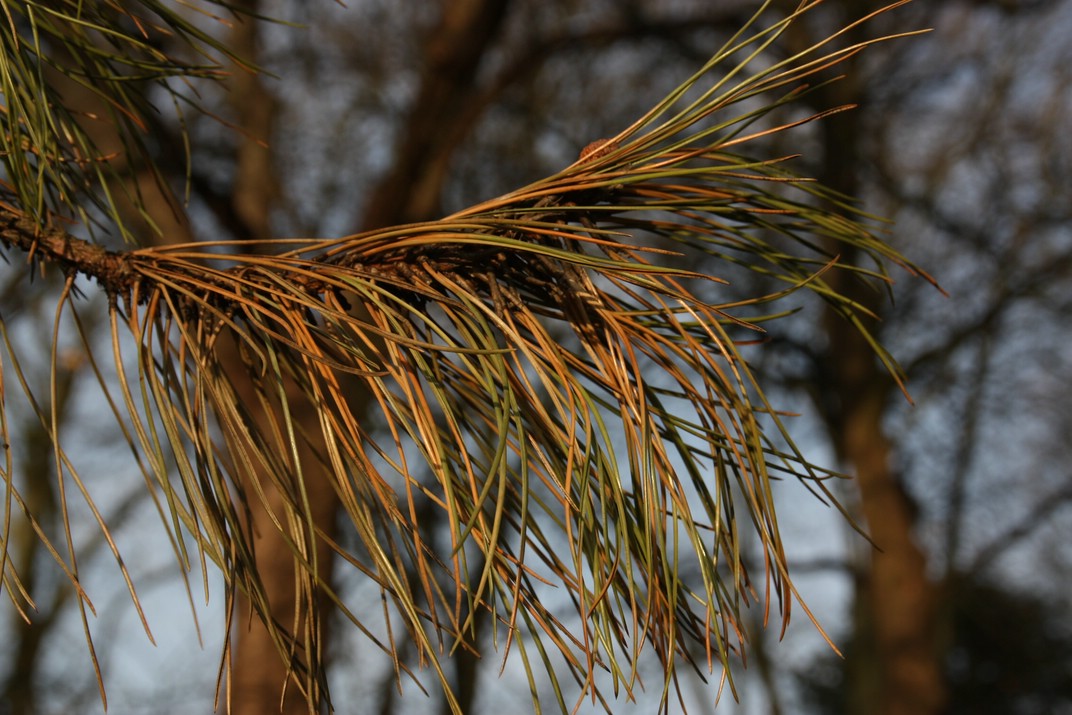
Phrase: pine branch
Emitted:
{"points": [[72, 255], [549, 357]]}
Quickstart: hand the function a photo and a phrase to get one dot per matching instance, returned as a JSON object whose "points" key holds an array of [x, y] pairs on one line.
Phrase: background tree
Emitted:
{"points": [[939, 150]]}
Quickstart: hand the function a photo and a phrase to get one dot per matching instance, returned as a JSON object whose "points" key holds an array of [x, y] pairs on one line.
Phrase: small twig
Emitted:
{"points": [[73, 255]]}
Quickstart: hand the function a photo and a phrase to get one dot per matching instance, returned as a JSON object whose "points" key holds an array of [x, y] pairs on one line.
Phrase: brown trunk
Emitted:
{"points": [[26, 641], [409, 192], [896, 667], [259, 672], [411, 189]]}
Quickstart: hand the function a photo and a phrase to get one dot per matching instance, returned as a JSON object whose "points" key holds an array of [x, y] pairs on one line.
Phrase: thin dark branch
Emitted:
{"points": [[966, 443], [1039, 516], [73, 255]]}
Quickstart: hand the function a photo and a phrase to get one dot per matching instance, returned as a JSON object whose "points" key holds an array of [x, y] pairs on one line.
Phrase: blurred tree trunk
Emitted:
{"points": [[410, 191], [896, 667], [19, 689], [163, 220], [412, 188], [258, 672]]}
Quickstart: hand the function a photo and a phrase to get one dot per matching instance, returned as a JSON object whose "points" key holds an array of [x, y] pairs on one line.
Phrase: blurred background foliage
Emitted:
{"points": [[386, 112]]}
